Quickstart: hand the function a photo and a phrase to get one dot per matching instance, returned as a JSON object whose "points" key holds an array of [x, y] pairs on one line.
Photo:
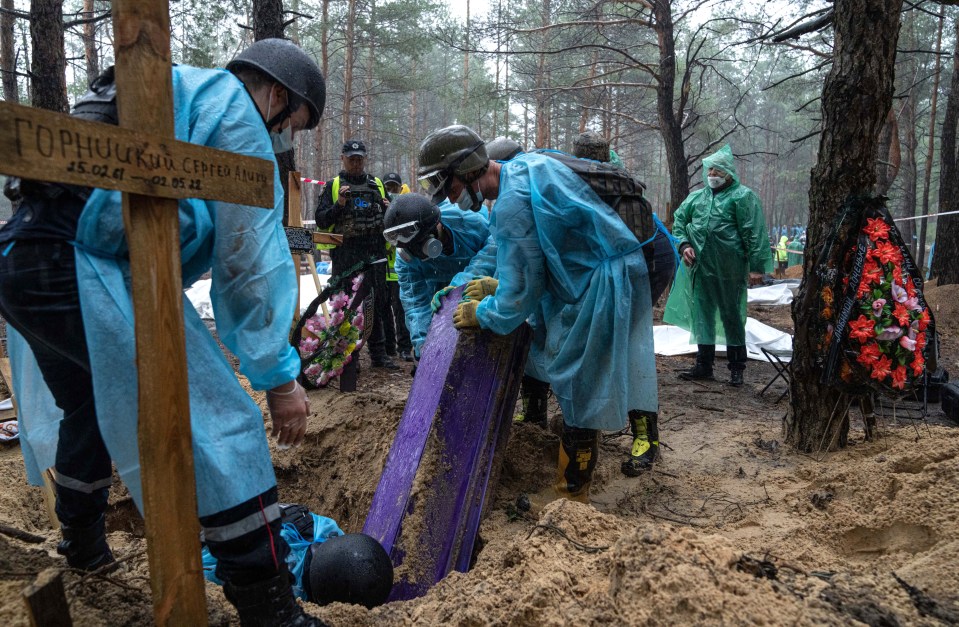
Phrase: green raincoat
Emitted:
{"points": [[727, 231], [792, 259]]}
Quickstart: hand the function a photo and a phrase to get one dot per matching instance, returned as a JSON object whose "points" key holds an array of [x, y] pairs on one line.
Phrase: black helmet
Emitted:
{"points": [[291, 67], [410, 222], [454, 150], [503, 149], [353, 568]]}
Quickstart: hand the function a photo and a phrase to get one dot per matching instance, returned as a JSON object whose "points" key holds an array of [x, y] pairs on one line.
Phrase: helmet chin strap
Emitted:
{"points": [[473, 198]]}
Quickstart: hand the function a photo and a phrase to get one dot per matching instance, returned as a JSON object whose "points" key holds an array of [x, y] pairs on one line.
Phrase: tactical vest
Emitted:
{"points": [[365, 217]]}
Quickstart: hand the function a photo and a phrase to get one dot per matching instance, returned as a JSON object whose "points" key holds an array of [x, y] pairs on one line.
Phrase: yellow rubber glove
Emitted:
{"points": [[436, 303], [480, 288], [465, 315]]}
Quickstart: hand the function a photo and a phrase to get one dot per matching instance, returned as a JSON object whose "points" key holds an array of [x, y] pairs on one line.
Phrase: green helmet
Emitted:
{"points": [[452, 151], [503, 148]]}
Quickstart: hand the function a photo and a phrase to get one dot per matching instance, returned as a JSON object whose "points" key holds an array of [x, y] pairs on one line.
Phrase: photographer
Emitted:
{"points": [[352, 204]]}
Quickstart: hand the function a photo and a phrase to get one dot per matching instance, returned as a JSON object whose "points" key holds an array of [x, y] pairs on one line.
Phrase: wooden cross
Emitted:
{"points": [[153, 170]]}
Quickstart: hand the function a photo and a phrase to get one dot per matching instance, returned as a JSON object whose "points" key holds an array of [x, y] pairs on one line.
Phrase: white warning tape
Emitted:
{"points": [[935, 215]]}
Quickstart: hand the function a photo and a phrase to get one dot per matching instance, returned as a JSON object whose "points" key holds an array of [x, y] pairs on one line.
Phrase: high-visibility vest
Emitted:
{"points": [[391, 263], [335, 192]]}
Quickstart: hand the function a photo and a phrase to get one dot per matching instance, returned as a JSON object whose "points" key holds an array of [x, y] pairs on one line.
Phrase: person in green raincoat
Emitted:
{"points": [[794, 256], [724, 248]]}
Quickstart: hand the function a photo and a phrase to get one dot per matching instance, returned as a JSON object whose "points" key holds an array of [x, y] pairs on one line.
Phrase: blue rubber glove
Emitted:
{"points": [[436, 303]]}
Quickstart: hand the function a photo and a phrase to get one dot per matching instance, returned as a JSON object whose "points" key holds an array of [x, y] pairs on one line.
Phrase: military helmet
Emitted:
{"points": [[290, 66], [409, 220], [591, 145], [503, 148], [452, 151]]}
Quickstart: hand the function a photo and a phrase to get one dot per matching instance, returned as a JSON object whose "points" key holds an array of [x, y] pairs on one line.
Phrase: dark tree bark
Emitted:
{"points": [[90, 43], [49, 59], [945, 267], [670, 124], [860, 80], [909, 171], [268, 23], [267, 19], [8, 54]]}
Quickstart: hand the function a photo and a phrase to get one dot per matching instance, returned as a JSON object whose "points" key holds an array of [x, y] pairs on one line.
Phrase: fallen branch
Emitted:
{"points": [[19, 534]]}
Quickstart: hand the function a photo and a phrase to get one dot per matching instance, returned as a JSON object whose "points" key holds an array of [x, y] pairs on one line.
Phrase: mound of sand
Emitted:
{"points": [[731, 528]]}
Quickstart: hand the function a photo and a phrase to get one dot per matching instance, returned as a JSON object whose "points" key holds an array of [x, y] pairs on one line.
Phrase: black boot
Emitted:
{"points": [[737, 364], [384, 361], [703, 370], [86, 548], [578, 451], [534, 394], [269, 603], [645, 451]]}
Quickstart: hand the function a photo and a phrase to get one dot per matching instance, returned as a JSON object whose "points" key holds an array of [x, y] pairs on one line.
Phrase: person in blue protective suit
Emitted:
{"points": [[434, 243], [64, 286], [661, 261], [723, 242], [565, 258]]}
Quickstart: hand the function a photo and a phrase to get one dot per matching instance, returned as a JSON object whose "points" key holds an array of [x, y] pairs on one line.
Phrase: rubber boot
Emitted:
{"points": [[534, 394], [645, 451], [86, 548], [737, 364], [703, 370], [578, 451], [269, 603]]}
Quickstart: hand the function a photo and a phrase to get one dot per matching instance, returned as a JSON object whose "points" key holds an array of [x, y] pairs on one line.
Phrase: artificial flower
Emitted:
{"points": [[876, 229], [899, 377], [862, 329], [891, 332], [882, 368]]}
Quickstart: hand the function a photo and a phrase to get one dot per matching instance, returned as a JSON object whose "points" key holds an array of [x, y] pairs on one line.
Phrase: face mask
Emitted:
{"points": [[282, 141], [465, 201], [716, 181]]}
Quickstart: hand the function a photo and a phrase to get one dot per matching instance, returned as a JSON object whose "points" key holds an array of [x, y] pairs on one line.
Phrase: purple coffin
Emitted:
{"points": [[427, 507]]}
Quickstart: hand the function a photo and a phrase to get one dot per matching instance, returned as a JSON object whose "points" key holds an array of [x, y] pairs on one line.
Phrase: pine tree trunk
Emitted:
{"points": [[49, 59], [268, 23], [927, 181], [267, 19], [945, 261], [90, 43], [909, 173], [860, 80], [669, 124], [8, 54], [542, 85], [320, 136], [348, 70]]}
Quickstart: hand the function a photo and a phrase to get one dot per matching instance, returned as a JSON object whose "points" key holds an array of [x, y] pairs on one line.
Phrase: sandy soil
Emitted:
{"points": [[731, 528]]}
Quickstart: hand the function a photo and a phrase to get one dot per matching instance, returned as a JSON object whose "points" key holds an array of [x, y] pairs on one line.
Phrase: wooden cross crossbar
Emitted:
{"points": [[59, 148], [153, 169]]}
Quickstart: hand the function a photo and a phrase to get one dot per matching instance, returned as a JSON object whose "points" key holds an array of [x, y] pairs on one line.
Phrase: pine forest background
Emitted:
{"points": [[666, 81]]}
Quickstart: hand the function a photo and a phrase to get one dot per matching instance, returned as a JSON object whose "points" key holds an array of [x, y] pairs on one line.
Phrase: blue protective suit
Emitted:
{"points": [[566, 258], [253, 293], [420, 279]]}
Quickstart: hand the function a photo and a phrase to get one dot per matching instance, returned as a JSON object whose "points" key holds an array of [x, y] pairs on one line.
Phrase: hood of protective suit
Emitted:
{"points": [[783, 240], [722, 159]]}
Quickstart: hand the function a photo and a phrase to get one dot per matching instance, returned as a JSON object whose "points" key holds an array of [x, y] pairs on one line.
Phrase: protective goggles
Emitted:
{"points": [[402, 233], [434, 182]]}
